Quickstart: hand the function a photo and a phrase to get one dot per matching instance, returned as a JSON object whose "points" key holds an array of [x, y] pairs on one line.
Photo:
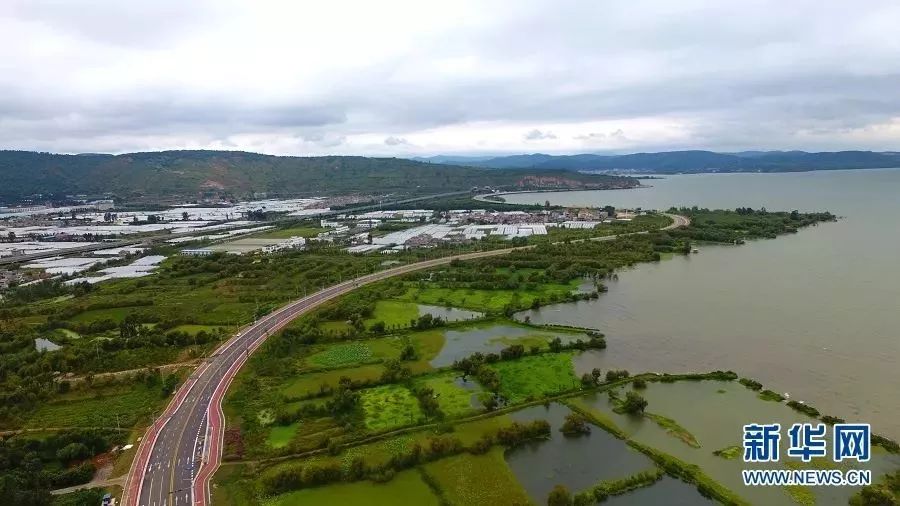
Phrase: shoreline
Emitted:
{"points": [[483, 197]]}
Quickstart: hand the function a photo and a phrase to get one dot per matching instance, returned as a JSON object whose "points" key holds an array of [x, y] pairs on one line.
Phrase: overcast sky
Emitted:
{"points": [[456, 77]]}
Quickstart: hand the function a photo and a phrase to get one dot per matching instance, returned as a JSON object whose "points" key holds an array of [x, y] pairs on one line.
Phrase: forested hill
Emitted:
{"points": [[670, 162], [189, 173]]}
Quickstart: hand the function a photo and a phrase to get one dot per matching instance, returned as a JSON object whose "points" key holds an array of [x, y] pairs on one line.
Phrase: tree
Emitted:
{"points": [[129, 327], [408, 352], [556, 345], [559, 496], [184, 216], [588, 381], [169, 384], [634, 403], [639, 384], [394, 371], [345, 399], [488, 400], [72, 452], [575, 425]]}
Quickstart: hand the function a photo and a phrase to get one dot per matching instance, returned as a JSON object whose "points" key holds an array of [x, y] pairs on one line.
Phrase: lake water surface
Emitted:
{"points": [[816, 314]]}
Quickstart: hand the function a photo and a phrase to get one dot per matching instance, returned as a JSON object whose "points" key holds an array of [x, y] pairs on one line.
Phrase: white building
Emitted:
{"points": [[196, 252]]}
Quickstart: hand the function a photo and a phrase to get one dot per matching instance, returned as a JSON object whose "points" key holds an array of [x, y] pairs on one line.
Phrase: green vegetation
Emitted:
{"points": [[689, 473], [166, 174], [729, 452], [768, 395], [885, 492], [313, 383], [537, 376], [281, 435], [180, 313], [672, 427], [393, 313], [407, 485], [477, 479], [606, 489], [346, 395], [801, 495], [295, 231], [635, 404], [343, 355], [124, 404], [743, 223], [389, 406], [59, 460], [453, 399]]}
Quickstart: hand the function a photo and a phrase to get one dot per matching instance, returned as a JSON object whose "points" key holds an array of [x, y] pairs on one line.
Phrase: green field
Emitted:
{"points": [[477, 479], [306, 384], [534, 376], [453, 399], [350, 353], [195, 329], [71, 334], [281, 435], [286, 233], [393, 313], [99, 409], [490, 301], [389, 406], [116, 314], [407, 487], [334, 327]]}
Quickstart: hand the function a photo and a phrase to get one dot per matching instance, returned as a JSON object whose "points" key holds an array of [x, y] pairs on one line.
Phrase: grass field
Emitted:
{"points": [[346, 354], [673, 428], [305, 384], [71, 334], [116, 314], [393, 313], [389, 406], [286, 233], [471, 432], [130, 403], [334, 327], [427, 344], [533, 376], [453, 399], [407, 487], [492, 301], [482, 479], [281, 435], [195, 329]]}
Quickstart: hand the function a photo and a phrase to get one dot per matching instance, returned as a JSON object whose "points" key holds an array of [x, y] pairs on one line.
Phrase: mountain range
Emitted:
{"points": [[178, 175], [672, 162]]}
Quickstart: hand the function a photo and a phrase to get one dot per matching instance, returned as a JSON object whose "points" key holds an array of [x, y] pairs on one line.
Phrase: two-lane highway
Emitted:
{"points": [[182, 449]]}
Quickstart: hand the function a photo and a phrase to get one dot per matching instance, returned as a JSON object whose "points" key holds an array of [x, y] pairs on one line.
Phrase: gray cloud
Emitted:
{"points": [[538, 135], [102, 75], [395, 141]]}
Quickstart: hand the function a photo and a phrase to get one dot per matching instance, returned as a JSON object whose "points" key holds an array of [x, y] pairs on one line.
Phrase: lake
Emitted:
{"points": [[815, 314]]}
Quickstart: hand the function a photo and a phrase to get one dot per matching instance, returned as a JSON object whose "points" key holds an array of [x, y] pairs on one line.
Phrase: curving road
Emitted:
{"points": [[182, 449]]}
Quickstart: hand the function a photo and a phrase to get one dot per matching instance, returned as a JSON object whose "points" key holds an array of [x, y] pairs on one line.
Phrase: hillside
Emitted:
{"points": [[172, 174], [694, 161]]}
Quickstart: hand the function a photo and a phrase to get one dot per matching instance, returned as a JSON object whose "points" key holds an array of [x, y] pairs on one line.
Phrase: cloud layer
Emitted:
{"points": [[408, 77]]}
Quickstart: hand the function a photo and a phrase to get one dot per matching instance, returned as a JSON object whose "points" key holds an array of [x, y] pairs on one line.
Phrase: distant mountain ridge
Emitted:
{"points": [[670, 162], [175, 175]]}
